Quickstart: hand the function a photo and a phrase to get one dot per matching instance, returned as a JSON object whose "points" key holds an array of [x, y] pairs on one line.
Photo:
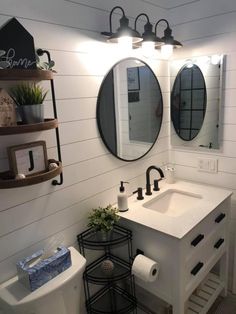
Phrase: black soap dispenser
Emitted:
{"points": [[122, 199]]}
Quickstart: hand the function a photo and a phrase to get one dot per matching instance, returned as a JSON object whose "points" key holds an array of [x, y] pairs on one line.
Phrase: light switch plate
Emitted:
{"points": [[207, 165]]}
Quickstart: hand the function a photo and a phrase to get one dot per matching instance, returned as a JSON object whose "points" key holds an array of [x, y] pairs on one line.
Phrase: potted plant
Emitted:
{"points": [[45, 65], [29, 99], [3, 63], [102, 220]]}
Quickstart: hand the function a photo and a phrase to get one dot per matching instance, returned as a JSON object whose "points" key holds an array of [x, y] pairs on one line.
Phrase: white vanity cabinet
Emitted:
{"points": [[186, 280], [201, 249]]}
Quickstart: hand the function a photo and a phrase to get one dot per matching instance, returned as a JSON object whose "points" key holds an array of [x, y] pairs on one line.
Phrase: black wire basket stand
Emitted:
{"points": [[112, 292]]}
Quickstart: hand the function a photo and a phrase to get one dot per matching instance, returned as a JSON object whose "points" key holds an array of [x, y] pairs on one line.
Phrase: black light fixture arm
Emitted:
{"points": [[168, 39], [41, 52], [110, 20], [141, 14], [148, 34], [124, 30], [162, 20]]}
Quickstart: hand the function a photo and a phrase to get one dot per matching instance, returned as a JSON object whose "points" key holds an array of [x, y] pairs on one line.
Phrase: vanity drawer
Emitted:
{"points": [[207, 256], [200, 236]]}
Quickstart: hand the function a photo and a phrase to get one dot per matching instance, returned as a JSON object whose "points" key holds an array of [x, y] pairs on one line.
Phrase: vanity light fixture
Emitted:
{"points": [[149, 38], [149, 41], [124, 34], [215, 59], [168, 40]]}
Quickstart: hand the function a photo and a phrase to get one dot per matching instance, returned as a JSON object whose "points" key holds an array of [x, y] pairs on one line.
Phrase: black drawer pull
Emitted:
{"points": [[196, 269], [197, 240], [219, 218], [219, 243]]}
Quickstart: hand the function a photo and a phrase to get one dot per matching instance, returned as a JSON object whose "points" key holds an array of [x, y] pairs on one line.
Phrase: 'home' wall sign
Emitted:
{"points": [[18, 44]]}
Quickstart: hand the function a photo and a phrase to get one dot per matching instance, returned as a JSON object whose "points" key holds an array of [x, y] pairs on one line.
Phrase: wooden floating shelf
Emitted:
{"points": [[25, 75], [30, 180], [28, 128]]}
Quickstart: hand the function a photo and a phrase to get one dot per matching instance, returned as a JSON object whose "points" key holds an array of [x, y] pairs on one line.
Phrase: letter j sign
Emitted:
{"points": [[28, 159]]}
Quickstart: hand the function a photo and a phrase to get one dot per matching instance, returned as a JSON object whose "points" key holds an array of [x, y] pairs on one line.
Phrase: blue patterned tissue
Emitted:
{"points": [[34, 271]]}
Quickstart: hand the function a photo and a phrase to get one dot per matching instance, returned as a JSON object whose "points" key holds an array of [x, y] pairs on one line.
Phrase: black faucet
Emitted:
{"points": [[148, 185]]}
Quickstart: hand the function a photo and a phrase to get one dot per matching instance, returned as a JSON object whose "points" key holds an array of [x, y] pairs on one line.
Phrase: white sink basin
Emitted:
{"points": [[173, 202]]}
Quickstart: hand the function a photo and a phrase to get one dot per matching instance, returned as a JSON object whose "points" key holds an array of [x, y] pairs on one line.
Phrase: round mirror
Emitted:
{"points": [[188, 102], [129, 109]]}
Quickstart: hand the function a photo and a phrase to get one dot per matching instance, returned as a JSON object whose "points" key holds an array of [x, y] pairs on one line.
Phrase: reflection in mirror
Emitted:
{"points": [[195, 101], [188, 102], [129, 109]]}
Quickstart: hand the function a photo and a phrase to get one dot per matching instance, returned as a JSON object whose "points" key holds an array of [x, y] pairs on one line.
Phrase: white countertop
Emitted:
{"points": [[179, 226]]}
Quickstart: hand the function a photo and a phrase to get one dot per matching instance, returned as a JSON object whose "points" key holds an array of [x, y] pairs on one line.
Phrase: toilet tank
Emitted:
{"points": [[61, 295]]}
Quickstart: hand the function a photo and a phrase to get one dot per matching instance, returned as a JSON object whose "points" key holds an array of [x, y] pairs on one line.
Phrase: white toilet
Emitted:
{"points": [[61, 295]]}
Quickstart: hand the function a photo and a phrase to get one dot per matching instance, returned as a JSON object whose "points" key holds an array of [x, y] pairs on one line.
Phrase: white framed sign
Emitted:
{"points": [[28, 159]]}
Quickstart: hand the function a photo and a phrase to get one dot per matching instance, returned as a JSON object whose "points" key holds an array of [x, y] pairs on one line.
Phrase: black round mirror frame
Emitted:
{"points": [[98, 118], [173, 100]]}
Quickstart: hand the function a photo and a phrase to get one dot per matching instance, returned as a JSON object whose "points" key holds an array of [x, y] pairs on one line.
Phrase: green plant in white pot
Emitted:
{"points": [[29, 99], [102, 220]]}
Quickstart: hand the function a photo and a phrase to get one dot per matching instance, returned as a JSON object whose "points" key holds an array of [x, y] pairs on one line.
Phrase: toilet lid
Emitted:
{"points": [[13, 293]]}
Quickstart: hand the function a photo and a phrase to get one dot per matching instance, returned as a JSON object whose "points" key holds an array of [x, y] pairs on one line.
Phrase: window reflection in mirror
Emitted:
{"points": [[188, 102], [195, 102], [129, 109]]}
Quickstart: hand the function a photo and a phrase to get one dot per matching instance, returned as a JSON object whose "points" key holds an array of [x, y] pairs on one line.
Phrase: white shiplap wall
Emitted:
{"points": [[209, 27], [32, 217]]}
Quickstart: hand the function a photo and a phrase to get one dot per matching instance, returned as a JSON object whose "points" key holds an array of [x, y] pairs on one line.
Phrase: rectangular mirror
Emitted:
{"points": [[196, 101]]}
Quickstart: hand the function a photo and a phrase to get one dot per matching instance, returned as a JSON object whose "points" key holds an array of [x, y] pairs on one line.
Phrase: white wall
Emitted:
{"points": [[31, 217], [205, 28]]}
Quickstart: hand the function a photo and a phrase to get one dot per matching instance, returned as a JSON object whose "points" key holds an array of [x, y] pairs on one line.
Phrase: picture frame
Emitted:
{"points": [[133, 79], [28, 159]]}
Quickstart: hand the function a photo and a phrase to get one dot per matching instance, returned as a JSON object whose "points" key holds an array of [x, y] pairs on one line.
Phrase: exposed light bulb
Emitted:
{"points": [[189, 63], [215, 59], [148, 48], [166, 51], [125, 42]]}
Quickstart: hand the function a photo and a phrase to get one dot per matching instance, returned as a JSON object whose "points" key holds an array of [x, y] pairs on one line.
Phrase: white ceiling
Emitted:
{"points": [[169, 4]]}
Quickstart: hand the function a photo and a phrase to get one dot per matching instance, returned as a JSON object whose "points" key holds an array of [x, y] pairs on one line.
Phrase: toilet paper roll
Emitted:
{"points": [[145, 268]]}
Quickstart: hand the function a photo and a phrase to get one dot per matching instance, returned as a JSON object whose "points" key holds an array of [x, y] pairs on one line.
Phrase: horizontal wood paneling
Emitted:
{"points": [[209, 27], [31, 217], [201, 10]]}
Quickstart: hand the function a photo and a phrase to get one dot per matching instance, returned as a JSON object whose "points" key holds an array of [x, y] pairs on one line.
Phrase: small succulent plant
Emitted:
{"points": [[28, 94], [103, 218], [45, 65], [3, 63]]}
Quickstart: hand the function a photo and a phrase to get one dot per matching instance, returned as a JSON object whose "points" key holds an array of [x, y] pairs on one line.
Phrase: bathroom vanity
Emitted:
{"points": [[184, 227]]}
